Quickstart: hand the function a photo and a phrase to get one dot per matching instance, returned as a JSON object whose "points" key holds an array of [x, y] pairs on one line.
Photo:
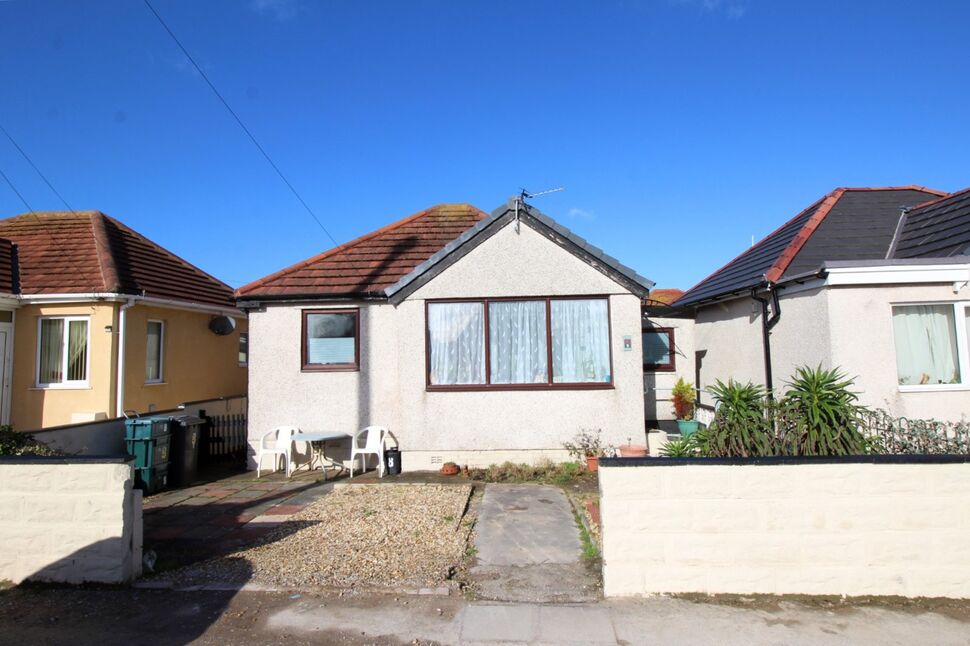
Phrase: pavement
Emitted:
{"points": [[124, 616], [528, 547]]}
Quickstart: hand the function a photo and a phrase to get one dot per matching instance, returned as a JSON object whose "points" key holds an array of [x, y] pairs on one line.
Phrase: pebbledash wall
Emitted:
{"points": [[69, 520], [475, 428], [888, 525]]}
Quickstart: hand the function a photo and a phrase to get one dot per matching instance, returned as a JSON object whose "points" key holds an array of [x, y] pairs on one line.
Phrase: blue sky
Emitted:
{"points": [[679, 128]]}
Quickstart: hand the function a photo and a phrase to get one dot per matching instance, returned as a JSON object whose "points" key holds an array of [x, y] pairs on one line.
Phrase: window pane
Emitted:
{"points": [[77, 351], [456, 343], [926, 344], [517, 342], [331, 339], [51, 351], [153, 357], [580, 341], [656, 348], [243, 348]]}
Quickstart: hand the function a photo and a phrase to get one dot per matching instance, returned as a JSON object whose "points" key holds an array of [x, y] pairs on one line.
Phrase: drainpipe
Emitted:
{"points": [[120, 369], [767, 323]]}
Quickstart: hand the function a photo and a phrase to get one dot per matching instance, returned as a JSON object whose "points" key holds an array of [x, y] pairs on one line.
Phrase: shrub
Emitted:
{"points": [[545, 471], [819, 415], [684, 397], [14, 443], [586, 444], [742, 426]]}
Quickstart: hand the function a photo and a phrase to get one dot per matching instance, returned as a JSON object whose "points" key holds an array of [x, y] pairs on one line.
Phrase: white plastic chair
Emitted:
{"points": [[282, 446], [373, 445]]}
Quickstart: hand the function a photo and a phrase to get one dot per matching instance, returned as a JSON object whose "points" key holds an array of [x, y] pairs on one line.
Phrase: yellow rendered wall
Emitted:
{"points": [[197, 363], [31, 407]]}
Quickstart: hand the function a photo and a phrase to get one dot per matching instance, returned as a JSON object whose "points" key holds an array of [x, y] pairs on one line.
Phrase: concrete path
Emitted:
{"points": [[529, 548], [109, 616]]}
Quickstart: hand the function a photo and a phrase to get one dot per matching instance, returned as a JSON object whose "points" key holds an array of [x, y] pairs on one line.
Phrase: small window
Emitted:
{"points": [[926, 345], [62, 352], [580, 341], [658, 349], [244, 348], [155, 353], [331, 339]]}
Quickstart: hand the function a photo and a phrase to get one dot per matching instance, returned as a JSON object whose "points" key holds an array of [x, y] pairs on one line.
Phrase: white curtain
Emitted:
{"points": [[926, 344], [580, 341], [517, 342], [456, 342], [77, 351]]}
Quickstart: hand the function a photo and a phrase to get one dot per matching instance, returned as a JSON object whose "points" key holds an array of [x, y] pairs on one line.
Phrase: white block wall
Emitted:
{"points": [[853, 529], [69, 521]]}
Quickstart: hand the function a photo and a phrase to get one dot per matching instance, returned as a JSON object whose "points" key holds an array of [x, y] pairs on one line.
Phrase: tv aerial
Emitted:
{"points": [[528, 195]]}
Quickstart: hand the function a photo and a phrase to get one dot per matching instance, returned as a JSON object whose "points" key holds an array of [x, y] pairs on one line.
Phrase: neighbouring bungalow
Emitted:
{"points": [[96, 319], [474, 337], [875, 281]]}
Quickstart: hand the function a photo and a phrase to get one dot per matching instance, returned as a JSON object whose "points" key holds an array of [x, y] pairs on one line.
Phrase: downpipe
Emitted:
{"points": [[120, 368], [767, 323]]}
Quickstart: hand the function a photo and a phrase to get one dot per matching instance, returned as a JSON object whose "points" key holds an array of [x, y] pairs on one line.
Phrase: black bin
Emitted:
{"points": [[392, 461], [184, 468]]}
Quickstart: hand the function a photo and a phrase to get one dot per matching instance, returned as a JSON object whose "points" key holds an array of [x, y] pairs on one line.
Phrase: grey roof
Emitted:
{"points": [[846, 224], [531, 216], [860, 226], [937, 229]]}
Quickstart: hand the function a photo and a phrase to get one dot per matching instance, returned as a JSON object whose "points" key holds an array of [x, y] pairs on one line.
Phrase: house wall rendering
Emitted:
{"points": [[390, 388]]}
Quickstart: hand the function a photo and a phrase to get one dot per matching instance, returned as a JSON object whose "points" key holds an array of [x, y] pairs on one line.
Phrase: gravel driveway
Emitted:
{"points": [[359, 535]]}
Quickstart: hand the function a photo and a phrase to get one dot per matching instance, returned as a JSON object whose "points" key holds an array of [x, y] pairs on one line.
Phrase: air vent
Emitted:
{"points": [[435, 459]]}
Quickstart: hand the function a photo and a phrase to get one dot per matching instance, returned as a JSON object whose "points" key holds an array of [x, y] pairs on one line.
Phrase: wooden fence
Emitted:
{"points": [[224, 438]]}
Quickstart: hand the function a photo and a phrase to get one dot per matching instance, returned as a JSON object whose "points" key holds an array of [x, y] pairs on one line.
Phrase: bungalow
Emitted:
{"points": [[474, 337], [96, 319], [875, 281]]}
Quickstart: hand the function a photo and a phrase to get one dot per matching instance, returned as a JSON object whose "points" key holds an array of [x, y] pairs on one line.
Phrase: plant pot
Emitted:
{"points": [[592, 463], [687, 427], [632, 451], [449, 469]]}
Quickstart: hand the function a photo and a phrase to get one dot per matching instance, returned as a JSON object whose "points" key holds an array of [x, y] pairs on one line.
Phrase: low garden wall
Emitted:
{"points": [[70, 520], [881, 525]]}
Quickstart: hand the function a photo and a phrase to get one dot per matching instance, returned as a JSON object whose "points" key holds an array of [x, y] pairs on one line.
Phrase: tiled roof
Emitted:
{"points": [[664, 296], [368, 265], [937, 229], [846, 224], [81, 252]]}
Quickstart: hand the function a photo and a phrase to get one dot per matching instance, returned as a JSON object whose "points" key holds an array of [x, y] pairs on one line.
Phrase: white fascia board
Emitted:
{"points": [[50, 299], [897, 274]]}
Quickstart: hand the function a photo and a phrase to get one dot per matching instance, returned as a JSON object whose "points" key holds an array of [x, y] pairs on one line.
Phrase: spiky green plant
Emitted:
{"points": [[741, 427], [819, 415], [682, 447]]}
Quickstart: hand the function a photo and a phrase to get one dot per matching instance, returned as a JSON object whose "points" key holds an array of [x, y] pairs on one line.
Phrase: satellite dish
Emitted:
{"points": [[222, 325]]}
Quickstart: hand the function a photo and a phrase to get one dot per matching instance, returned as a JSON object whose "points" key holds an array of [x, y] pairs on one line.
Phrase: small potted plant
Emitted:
{"points": [[684, 397], [631, 450], [587, 447]]}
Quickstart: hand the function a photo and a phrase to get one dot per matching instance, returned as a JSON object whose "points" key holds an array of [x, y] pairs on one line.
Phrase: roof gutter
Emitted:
{"points": [[49, 299], [767, 323]]}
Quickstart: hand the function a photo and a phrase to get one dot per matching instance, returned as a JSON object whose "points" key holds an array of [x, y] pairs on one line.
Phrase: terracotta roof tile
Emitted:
{"points": [[75, 252], [371, 263]]}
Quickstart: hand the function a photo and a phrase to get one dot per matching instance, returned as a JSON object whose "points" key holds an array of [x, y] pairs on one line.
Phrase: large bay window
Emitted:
{"points": [[62, 352], [931, 345], [519, 343]]}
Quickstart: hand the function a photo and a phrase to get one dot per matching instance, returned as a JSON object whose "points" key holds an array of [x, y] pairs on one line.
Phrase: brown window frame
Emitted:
{"points": [[332, 367], [549, 384], [671, 365]]}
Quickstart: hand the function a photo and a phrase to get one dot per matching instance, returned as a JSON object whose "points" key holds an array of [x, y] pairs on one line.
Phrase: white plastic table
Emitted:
{"points": [[318, 442]]}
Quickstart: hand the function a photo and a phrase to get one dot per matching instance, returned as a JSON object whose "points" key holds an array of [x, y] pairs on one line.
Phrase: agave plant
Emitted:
{"points": [[740, 428], [819, 415]]}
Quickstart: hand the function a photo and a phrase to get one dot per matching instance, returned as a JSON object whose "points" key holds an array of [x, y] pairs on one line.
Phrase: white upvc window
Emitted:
{"points": [[63, 359], [932, 347], [155, 352]]}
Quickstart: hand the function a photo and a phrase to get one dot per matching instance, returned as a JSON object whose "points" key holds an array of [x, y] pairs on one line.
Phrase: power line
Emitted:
{"points": [[239, 121], [37, 170], [14, 189]]}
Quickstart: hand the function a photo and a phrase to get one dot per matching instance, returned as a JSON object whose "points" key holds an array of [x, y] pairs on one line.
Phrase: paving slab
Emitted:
{"points": [[529, 548], [500, 623]]}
